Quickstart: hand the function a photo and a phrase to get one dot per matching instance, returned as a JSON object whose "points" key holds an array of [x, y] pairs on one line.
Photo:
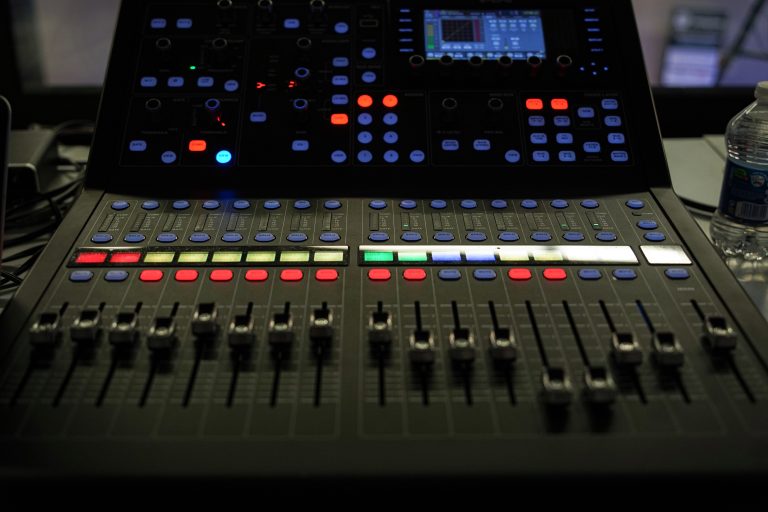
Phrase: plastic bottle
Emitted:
{"points": [[740, 224]]}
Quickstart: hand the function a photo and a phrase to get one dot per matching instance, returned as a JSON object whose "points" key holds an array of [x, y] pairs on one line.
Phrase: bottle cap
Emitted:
{"points": [[761, 92]]}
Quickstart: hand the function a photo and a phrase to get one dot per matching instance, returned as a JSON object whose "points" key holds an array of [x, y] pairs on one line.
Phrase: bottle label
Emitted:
{"points": [[745, 193]]}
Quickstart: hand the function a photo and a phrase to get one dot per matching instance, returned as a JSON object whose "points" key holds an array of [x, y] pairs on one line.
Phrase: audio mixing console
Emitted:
{"points": [[380, 239]]}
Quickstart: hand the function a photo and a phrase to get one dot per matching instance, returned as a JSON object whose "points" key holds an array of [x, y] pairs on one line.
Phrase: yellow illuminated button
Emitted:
{"points": [[261, 257], [227, 257], [547, 256], [329, 257], [294, 257], [159, 257], [193, 257], [513, 255]]}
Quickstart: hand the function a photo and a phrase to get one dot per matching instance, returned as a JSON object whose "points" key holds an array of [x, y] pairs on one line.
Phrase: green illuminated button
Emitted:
{"points": [[227, 257], [329, 257], [159, 257], [294, 257], [412, 256], [261, 257], [378, 257], [193, 257]]}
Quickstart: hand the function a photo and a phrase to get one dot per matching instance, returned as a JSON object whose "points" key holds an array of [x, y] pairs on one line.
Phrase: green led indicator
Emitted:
{"points": [[412, 256], [378, 257], [192, 68]]}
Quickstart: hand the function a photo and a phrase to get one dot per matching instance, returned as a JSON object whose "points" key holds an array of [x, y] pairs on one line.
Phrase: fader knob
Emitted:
{"points": [[321, 327], [462, 345], [280, 332], [204, 320], [667, 351], [599, 387], [162, 334], [86, 327], [380, 330], [241, 333], [626, 349], [718, 334], [422, 347], [556, 386], [46, 330], [124, 331], [503, 345]]}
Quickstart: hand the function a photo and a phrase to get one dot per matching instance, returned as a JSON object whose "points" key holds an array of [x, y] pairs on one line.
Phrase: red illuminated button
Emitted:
{"points": [[559, 104], [415, 274], [339, 119], [390, 101], [555, 274], [196, 146], [221, 276], [91, 258], [291, 275], [125, 257], [534, 104], [327, 274], [256, 276], [379, 274], [186, 276], [520, 274], [364, 101], [151, 276]]}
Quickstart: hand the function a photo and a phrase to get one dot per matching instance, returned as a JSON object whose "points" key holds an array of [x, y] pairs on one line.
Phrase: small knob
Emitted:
{"points": [[416, 61], [446, 60], [317, 6], [476, 61], [304, 43], [564, 61], [496, 104], [265, 5], [163, 44], [535, 62], [505, 61]]}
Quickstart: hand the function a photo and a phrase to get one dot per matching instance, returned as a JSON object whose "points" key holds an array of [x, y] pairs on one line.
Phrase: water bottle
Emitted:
{"points": [[740, 224]]}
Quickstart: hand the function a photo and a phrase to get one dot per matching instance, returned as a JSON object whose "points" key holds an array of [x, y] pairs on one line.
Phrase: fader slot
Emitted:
{"points": [[123, 336], [161, 341], [503, 348], [626, 351]]}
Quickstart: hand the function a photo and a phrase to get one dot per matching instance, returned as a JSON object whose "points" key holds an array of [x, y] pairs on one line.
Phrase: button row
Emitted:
{"points": [[192, 257], [218, 276], [496, 204], [301, 204], [506, 236]]}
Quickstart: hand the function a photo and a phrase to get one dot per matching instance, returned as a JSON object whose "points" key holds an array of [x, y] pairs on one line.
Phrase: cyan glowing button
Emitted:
{"points": [[261, 257], [294, 257], [193, 257], [378, 257], [227, 257], [412, 257], [223, 157]]}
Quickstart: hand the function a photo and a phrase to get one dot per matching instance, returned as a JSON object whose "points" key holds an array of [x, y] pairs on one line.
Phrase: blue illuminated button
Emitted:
{"points": [[368, 53], [590, 204], [613, 121], [635, 204], [539, 138], [655, 236], [562, 121], [120, 205], [391, 156], [223, 157], [116, 276], [485, 274], [211, 205], [509, 236], [438, 204], [624, 274], [559, 204], [365, 156], [365, 119], [150, 205], [300, 145], [616, 138], [340, 80], [378, 236], [564, 138], [340, 62], [180, 205], [469, 204], [302, 204], [482, 145], [378, 204], [592, 147], [586, 113], [199, 238], [158, 23], [332, 204], [134, 238], [444, 236], [297, 238], [364, 137], [272, 204], [541, 156], [607, 236], [677, 273], [477, 236], [573, 236], [390, 119], [168, 157], [81, 276], [648, 224], [264, 238], [167, 238], [232, 238], [567, 156], [241, 204], [148, 82], [258, 117], [340, 99], [411, 236], [368, 77], [541, 236], [529, 204], [610, 104], [481, 257], [619, 156], [449, 274], [499, 204], [291, 23], [391, 137], [184, 23], [446, 257], [408, 204], [339, 156], [512, 156], [101, 238], [176, 81], [536, 121], [417, 156], [341, 28], [205, 81], [330, 237], [590, 274], [137, 146]]}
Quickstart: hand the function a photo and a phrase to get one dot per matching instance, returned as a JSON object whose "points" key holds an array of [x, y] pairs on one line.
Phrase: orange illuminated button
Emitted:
{"points": [[415, 274], [555, 274], [559, 104], [379, 274], [256, 276], [364, 101], [327, 274], [186, 276], [520, 274], [291, 275], [221, 276], [339, 119], [91, 257], [534, 104], [151, 276], [196, 146], [125, 257], [390, 101]]}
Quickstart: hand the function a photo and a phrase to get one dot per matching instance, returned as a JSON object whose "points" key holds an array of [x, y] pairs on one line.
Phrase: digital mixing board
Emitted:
{"points": [[384, 239]]}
